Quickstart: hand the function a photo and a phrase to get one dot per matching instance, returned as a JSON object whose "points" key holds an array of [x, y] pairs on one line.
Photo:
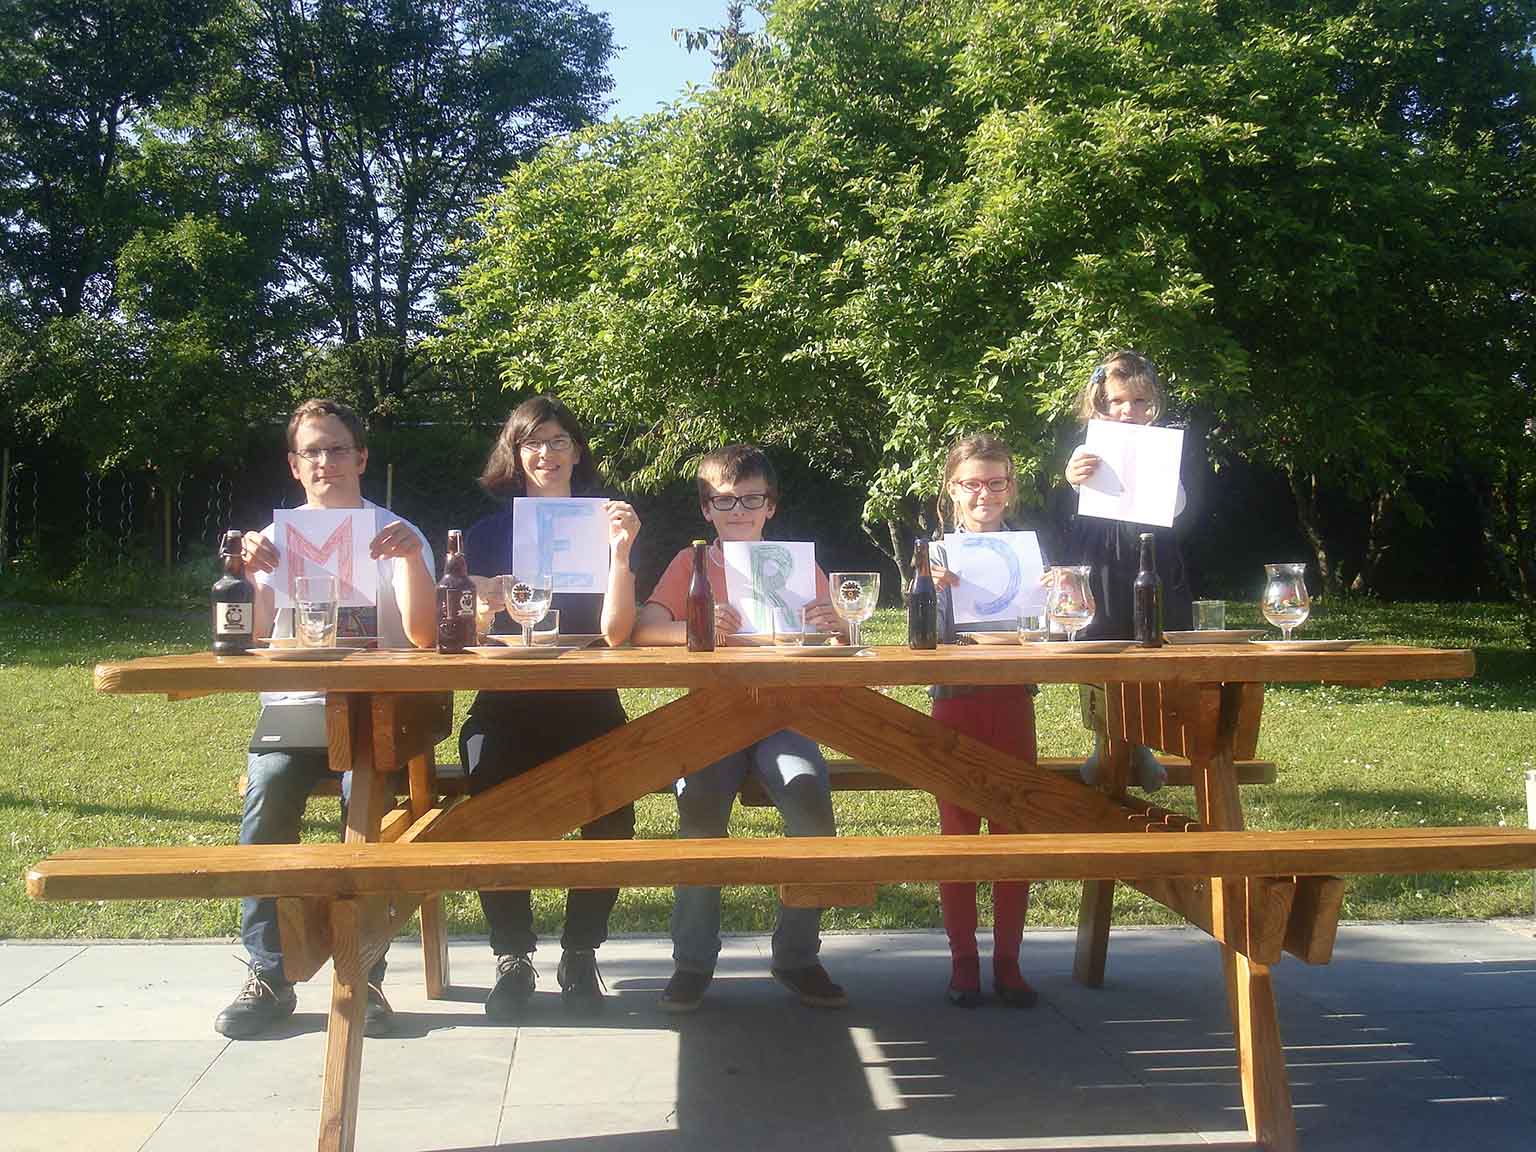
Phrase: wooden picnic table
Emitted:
{"points": [[1192, 701]]}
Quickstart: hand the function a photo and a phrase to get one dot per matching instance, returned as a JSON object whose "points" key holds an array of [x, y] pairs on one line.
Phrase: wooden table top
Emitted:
{"points": [[427, 671]]}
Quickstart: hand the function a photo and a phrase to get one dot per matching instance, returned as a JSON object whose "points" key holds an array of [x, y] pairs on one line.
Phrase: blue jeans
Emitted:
{"points": [[277, 787], [794, 775]]}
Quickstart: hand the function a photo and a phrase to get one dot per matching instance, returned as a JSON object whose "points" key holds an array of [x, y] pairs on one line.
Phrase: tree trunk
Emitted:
{"points": [[167, 510], [5, 506], [1304, 493], [1376, 545]]}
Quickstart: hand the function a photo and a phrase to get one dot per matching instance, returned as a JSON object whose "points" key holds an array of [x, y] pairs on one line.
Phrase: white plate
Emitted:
{"points": [[1214, 636], [569, 640], [1077, 647], [1306, 645], [302, 654], [811, 650], [504, 652], [353, 642], [1011, 636]]}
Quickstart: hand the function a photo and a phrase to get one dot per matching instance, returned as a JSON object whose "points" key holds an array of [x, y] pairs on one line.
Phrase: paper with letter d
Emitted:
{"points": [[1138, 474], [563, 538], [321, 541], [999, 575], [769, 581]]}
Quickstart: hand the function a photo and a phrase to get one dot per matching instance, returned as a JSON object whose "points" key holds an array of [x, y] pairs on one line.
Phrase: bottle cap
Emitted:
{"points": [[701, 543]]}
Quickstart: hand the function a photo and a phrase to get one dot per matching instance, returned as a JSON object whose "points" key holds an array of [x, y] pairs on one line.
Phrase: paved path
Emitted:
{"points": [[1417, 1037]]}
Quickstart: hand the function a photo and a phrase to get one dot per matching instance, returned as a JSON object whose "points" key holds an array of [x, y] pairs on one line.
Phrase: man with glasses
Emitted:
{"points": [[327, 454]]}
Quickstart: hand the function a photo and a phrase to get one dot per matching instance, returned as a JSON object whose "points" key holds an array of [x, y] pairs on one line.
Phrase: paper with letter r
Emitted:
{"points": [[321, 541], [565, 539], [769, 581], [1137, 479], [999, 575]]}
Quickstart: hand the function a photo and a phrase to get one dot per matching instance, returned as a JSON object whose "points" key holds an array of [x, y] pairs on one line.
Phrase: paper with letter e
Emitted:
{"points": [[326, 541], [1137, 479], [769, 581], [999, 575], [564, 538]]}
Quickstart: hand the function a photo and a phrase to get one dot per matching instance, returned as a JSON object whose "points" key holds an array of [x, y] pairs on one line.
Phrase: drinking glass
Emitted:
{"points": [[1286, 603], [1032, 628], [546, 632], [1070, 600], [315, 608], [853, 599], [1210, 615], [527, 599]]}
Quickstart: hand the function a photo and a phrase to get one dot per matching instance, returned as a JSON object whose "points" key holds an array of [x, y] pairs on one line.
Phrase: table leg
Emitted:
{"points": [[344, 1032], [1250, 990], [434, 928], [1096, 906]]}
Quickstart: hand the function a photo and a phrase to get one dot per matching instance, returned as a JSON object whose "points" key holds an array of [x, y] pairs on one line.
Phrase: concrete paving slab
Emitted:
{"points": [[98, 1131], [378, 1129], [102, 1075], [22, 965]]}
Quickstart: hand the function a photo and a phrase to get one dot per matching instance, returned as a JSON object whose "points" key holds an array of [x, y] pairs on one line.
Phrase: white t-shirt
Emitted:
{"points": [[391, 628]]}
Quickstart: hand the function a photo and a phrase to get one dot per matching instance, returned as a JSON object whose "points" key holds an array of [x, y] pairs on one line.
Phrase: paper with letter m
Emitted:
{"points": [[999, 575], [1137, 479], [769, 581], [327, 541], [565, 539]]}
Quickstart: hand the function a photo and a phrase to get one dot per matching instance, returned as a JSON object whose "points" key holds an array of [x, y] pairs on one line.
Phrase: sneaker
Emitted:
{"points": [[515, 981], [581, 984], [265, 1000], [378, 1017], [685, 991], [1020, 995], [813, 986]]}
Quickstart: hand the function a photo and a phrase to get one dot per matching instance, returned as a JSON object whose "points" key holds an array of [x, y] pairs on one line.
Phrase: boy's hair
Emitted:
{"points": [[318, 409], [977, 446], [733, 464], [503, 475], [1124, 367]]}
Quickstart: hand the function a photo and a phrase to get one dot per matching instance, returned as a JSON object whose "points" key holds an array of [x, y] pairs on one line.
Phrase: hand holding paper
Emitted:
{"points": [[326, 541], [769, 581], [566, 539], [996, 575], [1137, 479]]}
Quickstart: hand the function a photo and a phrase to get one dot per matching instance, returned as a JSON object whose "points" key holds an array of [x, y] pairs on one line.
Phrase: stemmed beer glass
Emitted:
{"points": [[527, 600], [853, 598], [1286, 604], [1070, 601]]}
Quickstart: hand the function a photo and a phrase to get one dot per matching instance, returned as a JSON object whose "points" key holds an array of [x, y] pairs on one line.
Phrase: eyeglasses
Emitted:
{"points": [[752, 501], [553, 444], [996, 484], [335, 452]]}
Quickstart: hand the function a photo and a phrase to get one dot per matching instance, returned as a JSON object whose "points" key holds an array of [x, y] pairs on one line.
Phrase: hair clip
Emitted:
{"points": [[1097, 379]]}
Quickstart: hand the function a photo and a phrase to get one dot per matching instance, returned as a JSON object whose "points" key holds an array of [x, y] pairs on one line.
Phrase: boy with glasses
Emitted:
{"points": [[327, 454], [738, 494]]}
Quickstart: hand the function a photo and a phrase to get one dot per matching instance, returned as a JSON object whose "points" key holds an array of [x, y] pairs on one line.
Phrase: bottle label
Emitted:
{"points": [[233, 619], [458, 605]]}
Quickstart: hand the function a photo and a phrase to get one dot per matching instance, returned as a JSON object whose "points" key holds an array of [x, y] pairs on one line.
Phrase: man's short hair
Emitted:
{"points": [[733, 464], [320, 408]]}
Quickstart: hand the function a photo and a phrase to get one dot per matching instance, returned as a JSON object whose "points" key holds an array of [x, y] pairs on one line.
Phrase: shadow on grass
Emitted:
{"points": [[152, 812], [1379, 807]]}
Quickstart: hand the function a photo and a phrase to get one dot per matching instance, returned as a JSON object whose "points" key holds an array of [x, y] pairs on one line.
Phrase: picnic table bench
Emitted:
{"points": [[1258, 893]]}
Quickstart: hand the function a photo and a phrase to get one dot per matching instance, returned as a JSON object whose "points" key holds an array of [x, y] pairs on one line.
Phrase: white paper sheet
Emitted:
{"points": [[334, 541], [565, 539], [999, 575], [769, 581], [1138, 474]]}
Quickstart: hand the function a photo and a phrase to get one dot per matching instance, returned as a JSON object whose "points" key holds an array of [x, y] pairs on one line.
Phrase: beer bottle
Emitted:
{"points": [[1147, 597], [455, 599], [701, 602], [922, 603], [234, 602]]}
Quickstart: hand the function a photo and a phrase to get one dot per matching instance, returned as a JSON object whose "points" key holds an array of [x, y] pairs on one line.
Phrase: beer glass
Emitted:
{"points": [[853, 598], [1070, 601], [1286, 604], [315, 608], [527, 599], [1210, 615]]}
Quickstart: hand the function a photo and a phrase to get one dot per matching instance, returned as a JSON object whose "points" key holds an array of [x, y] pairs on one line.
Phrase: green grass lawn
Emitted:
{"points": [[78, 769]]}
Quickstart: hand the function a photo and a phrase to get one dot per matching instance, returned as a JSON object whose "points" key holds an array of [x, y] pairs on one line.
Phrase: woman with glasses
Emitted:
{"points": [[542, 451]]}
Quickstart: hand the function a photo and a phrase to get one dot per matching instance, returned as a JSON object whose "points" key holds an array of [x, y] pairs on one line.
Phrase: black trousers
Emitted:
{"points": [[509, 733]]}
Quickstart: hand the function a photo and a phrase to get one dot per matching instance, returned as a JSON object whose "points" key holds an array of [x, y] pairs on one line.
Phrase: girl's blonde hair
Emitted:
{"points": [[977, 446], [1131, 369]]}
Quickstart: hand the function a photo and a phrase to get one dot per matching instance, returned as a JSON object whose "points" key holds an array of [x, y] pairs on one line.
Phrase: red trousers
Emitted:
{"points": [[1004, 717]]}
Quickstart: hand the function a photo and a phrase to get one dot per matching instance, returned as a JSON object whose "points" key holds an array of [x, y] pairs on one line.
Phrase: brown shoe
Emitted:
{"points": [[813, 986], [684, 991]]}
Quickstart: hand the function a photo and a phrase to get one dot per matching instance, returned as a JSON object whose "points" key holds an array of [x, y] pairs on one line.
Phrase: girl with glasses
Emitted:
{"points": [[976, 494]]}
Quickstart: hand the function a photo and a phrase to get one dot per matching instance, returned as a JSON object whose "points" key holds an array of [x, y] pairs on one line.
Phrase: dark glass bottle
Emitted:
{"points": [[922, 602], [701, 602], [234, 602], [1147, 596], [455, 599]]}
